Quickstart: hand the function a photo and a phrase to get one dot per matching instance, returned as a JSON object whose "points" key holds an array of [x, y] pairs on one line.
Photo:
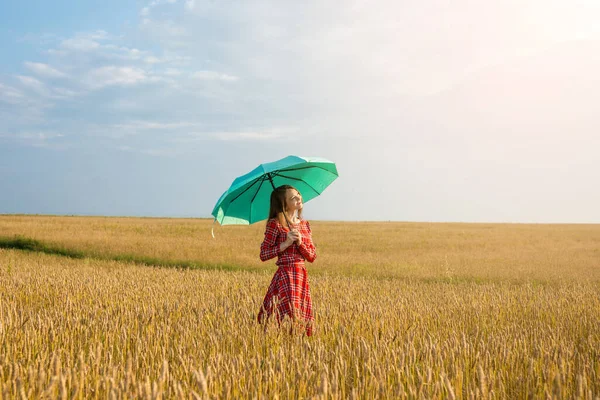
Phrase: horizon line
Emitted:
{"points": [[317, 220]]}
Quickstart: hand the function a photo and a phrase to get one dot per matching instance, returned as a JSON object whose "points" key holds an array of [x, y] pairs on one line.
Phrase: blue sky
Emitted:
{"points": [[432, 110]]}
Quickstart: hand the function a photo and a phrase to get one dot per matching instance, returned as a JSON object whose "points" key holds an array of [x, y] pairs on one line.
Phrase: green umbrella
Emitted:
{"points": [[247, 199]]}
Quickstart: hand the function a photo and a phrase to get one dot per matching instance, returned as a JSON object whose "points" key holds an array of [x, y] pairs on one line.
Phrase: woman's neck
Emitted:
{"points": [[290, 216]]}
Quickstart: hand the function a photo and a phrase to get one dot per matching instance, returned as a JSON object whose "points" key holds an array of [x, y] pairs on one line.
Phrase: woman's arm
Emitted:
{"points": [[269, 248], [307, 247]]}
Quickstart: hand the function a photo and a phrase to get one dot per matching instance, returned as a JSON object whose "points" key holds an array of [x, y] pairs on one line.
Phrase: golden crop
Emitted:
{"points": [[403, 310]]}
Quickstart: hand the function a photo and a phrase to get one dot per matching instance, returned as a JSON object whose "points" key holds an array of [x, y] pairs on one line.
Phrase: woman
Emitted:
{"points": [[288, 237]]}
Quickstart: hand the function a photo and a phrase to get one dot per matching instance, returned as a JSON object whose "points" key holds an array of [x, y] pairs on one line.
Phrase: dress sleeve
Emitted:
{"points": [[307, 247], [270, 248]]}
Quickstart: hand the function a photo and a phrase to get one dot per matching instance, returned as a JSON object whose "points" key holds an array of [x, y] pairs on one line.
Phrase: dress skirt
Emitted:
{"points": [[288, 296]]}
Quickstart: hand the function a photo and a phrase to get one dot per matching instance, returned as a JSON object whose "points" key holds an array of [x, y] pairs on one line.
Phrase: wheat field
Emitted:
{"points": [[403, 310]]}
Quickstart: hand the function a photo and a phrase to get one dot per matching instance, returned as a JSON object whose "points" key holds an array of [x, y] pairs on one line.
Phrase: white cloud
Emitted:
{"points": [[33, 84], [145, 11], [86, 47], [152, 60], [44, 90], [111, 51], [114, 75], [38, 135], [173, 72], [57, 52], [44, 70], [60, 92], [96, 35], [150, 125], [133, 53], [19, 107], [178, 60], [80, 44], [150, 152], [214, 76], [98, 59], [190, 4], [11, 95], [164, 29], [33, 138], [253, 136]]}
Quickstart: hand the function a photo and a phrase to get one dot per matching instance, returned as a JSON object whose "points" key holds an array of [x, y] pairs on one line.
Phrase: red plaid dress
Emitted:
{"points": [[288, 293]]}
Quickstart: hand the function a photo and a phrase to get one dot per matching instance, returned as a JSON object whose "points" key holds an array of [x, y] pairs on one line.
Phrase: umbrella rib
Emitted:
{"points": [[278, 174], [253, 197], [301, 180], [258, 190], [245, 190], [264, 178]]}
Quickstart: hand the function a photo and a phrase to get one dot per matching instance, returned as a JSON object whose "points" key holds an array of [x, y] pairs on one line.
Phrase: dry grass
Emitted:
{"points": [[411, 310], [416, 250]]}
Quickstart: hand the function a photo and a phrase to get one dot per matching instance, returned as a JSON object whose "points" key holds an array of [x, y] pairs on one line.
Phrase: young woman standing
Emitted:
{"points": [[288, 237]]}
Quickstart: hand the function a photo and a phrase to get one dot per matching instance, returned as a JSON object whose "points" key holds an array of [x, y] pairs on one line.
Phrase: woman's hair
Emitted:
{"points": [[278, 202]]}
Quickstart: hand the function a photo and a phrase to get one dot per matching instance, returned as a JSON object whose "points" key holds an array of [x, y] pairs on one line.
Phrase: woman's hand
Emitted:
{"points": [[292, 237], [295, 237], [298, 235]]}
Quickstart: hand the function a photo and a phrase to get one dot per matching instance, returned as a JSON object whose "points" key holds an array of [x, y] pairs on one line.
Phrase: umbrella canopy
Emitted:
{"points": [[248, 198]]}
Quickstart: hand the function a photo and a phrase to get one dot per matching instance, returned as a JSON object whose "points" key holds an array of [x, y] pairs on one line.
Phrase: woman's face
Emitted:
{"points": [[293, 200]]}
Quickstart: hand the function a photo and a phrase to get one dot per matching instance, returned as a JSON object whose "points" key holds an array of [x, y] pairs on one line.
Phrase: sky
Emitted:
{"points": [[432, 110]]}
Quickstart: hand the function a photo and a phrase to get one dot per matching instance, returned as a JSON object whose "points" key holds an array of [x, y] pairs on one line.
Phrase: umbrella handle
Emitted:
{"points": [[212, 230]]}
